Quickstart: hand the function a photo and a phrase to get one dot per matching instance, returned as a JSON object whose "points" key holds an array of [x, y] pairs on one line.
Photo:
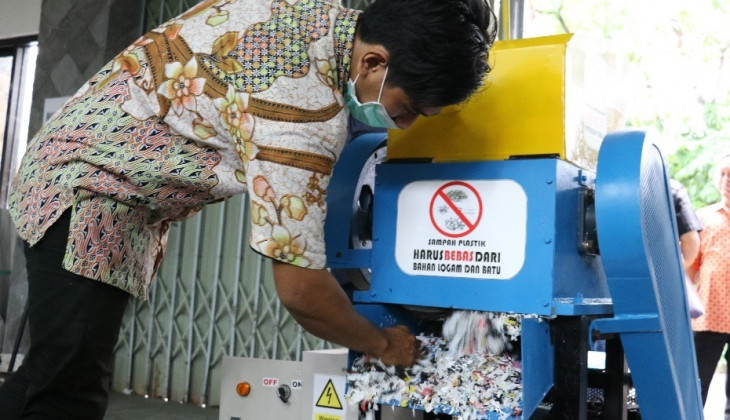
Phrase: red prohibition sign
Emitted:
{"points": [[461, 219]]}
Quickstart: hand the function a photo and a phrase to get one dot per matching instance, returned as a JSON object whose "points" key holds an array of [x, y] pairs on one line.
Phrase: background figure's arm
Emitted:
{"points": [[320, 306], [689, 244]]}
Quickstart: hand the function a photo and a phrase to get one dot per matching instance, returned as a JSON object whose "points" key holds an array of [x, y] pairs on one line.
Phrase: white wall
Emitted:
{"points": [[19, 18]]}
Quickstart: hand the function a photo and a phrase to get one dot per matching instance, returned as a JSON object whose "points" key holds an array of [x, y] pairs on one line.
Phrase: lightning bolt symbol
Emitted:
{"points": [[329, 395]]}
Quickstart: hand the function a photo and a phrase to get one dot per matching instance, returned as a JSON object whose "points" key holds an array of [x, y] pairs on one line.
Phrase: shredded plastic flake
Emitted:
{"points": [[470, 373]]}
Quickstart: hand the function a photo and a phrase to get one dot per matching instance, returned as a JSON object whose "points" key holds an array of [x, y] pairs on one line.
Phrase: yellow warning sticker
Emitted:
{"points": [[320, 416], [328, 398]]}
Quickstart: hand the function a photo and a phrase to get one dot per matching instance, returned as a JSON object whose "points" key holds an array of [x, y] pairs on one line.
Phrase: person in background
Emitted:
{"points": [[229, 97], [711, 272], [688, 229]]}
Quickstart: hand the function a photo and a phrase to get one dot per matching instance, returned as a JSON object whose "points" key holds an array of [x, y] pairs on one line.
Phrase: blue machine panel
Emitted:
{"points": [[340, 196], [645, 275], [489, 236]]}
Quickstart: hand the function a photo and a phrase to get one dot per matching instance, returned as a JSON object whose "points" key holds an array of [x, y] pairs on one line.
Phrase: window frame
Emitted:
{"points": [[17, 48]]}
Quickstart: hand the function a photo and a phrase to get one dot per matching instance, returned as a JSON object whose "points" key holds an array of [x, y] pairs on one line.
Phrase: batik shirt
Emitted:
{"points": [[713, 265], [231, 96]]}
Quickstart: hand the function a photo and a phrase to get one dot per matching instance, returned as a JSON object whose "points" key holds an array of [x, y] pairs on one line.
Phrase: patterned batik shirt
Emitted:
{"points": [[713, 265], [231, 96]]}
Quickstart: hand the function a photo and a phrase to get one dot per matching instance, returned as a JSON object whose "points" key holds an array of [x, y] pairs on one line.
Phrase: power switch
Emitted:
{"points": [[283, 392]]}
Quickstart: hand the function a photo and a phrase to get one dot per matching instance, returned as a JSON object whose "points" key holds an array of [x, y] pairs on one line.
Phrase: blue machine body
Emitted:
{"points": [[638, 235], [340, 252], [512, 231], [548, 276]]}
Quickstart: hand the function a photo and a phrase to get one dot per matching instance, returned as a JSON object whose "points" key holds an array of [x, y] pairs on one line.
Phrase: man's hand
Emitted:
{"points": [[403, 348], [320, 306]]}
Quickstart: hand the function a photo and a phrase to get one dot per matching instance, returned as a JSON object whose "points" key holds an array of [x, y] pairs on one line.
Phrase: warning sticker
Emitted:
{"points": [[328, 398], [320, 416], [456, 209], [462, 228]]}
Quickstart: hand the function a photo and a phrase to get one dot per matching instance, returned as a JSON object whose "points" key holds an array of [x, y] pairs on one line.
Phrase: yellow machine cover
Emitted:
{"points": [[544, 96]]}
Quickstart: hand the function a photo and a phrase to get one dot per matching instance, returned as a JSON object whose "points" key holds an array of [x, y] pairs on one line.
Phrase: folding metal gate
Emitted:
{"points": [[213, 297]]}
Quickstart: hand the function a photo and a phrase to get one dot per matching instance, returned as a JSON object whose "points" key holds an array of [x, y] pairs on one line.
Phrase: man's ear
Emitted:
{"points": [[375, 57]]}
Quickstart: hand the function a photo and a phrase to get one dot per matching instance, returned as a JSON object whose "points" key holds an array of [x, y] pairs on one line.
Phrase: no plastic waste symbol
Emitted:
{"points": [[328, 398], [456, 209]]}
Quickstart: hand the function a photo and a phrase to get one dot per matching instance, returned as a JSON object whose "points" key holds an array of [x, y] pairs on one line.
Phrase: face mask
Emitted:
{"points": [[371, 113]]}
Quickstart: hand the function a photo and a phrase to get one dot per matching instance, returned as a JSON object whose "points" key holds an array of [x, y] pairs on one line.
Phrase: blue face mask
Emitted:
{"points": [[371, 113]]}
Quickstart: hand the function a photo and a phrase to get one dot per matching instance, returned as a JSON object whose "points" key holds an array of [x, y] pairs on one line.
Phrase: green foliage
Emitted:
{"points": [[678, 83], [693, 164]]}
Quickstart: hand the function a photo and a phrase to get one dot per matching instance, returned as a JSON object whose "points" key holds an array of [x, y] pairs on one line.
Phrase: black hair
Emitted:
{"points": [[438, 48]]}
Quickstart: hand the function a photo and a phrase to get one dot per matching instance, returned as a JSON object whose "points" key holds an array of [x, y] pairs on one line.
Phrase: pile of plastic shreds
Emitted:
{"points": [[468, 373]]}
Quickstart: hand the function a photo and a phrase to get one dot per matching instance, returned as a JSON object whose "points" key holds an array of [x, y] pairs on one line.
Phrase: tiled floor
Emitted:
{"points": [[134, 407]]}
